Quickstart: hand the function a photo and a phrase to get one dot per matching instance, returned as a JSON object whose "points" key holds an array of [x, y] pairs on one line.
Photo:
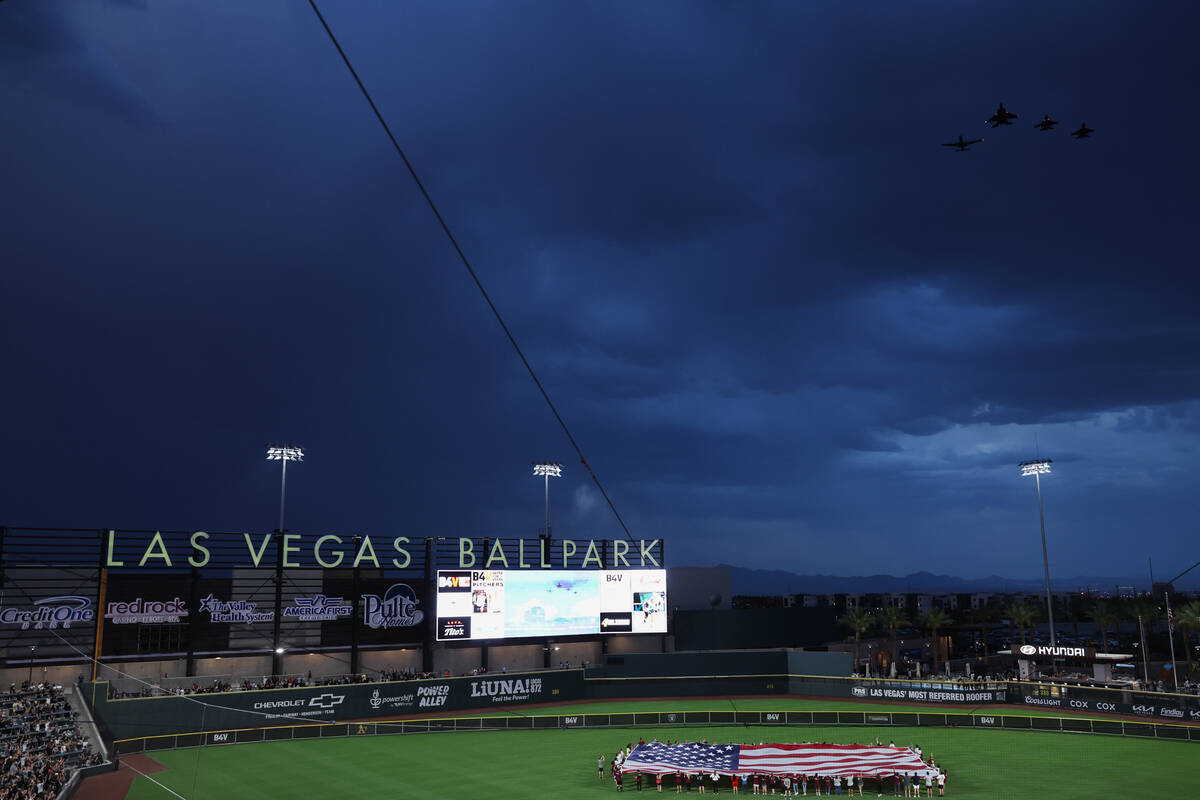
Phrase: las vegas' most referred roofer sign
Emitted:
{"points": [[331, 551]]}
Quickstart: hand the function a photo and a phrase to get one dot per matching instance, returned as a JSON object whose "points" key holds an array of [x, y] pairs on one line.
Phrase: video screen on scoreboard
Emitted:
{"points": [[510, 604]]}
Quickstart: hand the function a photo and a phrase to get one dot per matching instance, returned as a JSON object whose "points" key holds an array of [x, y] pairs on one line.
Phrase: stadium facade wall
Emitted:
{"points": [[804, 662], [644, 643], [685, 686], [752, 628], [382, 660], [61, 675], [727, 662]]}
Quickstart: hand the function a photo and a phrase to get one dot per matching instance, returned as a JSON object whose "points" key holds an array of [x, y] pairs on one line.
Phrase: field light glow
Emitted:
{"points": [[1040, 466], [285, 453]]}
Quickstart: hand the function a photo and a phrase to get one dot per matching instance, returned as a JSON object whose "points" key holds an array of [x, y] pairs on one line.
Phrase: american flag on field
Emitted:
{"points": [[778, 759]]}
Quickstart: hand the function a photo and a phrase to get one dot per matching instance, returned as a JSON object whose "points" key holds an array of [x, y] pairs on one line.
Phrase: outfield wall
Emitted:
{"points": [[127, 718], [148, 716], [678, 719]]}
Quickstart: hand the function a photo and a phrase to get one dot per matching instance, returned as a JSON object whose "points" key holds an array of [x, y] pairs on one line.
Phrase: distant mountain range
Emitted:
{"points": [[776, 582]]}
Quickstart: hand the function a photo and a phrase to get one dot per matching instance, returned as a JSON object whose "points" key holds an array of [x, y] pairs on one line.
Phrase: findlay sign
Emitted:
{"points": [[330, 552]]}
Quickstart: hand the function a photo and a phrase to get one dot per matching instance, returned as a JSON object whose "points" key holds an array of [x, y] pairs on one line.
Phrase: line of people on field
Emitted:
{"points": [[904, 783]]}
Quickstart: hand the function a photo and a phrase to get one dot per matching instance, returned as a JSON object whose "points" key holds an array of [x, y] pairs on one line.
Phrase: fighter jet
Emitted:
{"points": [[1002, 117], [1046, 124], [962, 145], [1083, 131]]}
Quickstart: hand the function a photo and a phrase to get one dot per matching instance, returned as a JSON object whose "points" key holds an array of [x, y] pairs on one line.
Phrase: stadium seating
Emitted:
{"points": [[40, 743]]}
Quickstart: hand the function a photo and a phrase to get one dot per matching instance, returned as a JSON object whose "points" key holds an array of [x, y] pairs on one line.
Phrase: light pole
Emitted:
{"points": [[32, 650], [547, 469], [1037, 468], [283, 454]]}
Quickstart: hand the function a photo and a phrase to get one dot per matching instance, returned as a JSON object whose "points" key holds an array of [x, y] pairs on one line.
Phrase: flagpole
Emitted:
{"points": [[1145, 662], [1171, 636]]}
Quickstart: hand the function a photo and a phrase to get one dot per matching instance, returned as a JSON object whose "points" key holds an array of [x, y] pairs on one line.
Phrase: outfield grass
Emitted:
{"points": [[541, 764]]}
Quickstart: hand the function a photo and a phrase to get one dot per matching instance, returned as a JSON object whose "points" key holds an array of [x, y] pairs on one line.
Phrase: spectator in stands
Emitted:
{"points": [[40, 743]]}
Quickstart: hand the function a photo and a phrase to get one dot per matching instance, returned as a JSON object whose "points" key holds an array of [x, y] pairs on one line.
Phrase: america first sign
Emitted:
{"points": [[331, 551]]}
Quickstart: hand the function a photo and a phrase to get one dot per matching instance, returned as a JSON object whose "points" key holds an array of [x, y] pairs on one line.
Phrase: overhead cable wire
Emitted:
{"points": [[467, 263]]}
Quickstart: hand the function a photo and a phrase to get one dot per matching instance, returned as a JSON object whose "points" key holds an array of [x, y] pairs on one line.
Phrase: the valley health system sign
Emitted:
{"points": [[330, 551]]}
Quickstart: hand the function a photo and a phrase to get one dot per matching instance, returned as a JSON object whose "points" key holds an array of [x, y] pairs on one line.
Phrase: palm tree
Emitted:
{"points": [[859, 619], [1187, 618], [980, 617], [894, 618], [1022, 615], [1077, 608], [1104, 613], [1143, 607], [933, 619]]}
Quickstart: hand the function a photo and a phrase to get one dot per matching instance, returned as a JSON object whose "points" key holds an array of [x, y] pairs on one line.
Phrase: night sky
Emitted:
{"points": [[787, 328]]}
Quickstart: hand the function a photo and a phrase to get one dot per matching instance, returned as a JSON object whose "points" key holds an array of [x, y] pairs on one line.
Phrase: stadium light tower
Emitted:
{"points": [[283, 453], [547, 469], [1037, 468]]}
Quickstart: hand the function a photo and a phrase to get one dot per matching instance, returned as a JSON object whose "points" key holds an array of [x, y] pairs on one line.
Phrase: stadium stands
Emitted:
{"points": [[40, 742]]}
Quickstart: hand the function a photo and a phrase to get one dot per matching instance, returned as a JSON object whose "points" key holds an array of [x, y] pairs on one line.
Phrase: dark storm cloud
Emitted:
{"points": [[776, 314]]}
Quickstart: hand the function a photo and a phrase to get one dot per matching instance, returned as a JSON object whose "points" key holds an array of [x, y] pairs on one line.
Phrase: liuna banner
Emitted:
{"points": [[153, 716]]}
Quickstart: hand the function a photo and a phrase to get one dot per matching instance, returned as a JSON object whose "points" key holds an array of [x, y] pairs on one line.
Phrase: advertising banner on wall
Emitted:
{"points": [[147, 613], [929, 694], [152, 613], [161, 715], [47, 614], [390, 610], [1171, 711]]}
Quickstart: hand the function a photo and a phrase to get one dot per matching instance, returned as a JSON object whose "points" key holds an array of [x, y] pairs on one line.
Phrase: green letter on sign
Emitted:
{"points": [[466, 549]]}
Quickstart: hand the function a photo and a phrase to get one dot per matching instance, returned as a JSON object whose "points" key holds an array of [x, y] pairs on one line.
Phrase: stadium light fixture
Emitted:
{"points": [[283, 453], [1040, 466], [547, 470], [1037, 468], [278, 651]]}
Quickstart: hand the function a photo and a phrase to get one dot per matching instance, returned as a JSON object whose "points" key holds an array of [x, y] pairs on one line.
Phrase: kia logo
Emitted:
{"points": [[1028, 649]]}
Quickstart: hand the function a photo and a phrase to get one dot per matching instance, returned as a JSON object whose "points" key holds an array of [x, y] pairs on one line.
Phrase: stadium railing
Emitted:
{"points": [[660, 719]]}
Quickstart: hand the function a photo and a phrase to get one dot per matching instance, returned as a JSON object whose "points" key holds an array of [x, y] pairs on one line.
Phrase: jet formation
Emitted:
{"points": [[1002, 116]]}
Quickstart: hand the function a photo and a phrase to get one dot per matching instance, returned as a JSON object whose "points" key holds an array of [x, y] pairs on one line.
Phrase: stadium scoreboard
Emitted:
{"points": [[509, 604]]}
